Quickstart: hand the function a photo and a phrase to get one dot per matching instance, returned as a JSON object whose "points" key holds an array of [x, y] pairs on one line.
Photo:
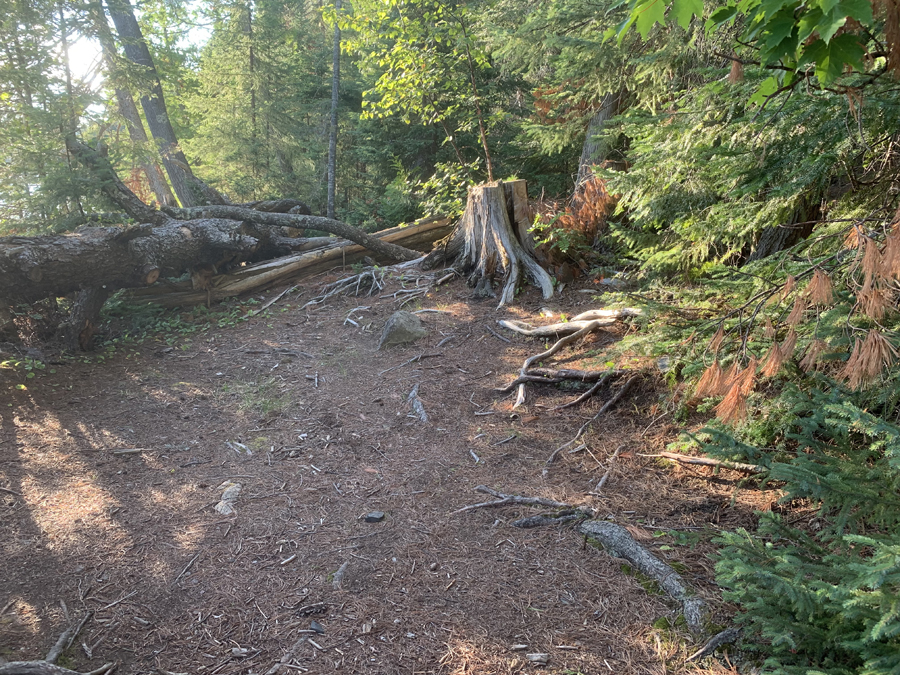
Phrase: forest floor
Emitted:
{"points": [[174, 586]]}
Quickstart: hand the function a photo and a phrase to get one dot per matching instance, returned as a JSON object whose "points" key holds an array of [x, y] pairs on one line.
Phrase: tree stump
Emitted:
{"points": [[492, 238]]}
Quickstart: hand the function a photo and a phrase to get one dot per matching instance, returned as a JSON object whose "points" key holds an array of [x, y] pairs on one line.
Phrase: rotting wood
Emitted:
{"points": [[618, 542], [486, 243], [707, 461]]}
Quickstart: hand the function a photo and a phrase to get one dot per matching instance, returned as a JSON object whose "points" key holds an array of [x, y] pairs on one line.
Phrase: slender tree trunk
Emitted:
{"points": [[594, 149], [251, 59], [332, 136], [129, 111], [183, 181], [477, 100]]}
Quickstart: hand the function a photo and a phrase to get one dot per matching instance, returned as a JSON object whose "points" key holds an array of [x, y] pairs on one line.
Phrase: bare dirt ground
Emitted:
{"points": [[174, 586]]}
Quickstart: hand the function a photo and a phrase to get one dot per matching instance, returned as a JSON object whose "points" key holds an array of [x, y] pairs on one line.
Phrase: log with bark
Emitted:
{"points": [[304, 264], [492, 238]]}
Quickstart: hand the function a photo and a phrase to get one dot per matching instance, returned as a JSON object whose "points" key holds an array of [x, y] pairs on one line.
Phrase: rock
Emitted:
{"points": [[316, 626], [230, 494], [539, 659], [374, 517], [401, 328]]}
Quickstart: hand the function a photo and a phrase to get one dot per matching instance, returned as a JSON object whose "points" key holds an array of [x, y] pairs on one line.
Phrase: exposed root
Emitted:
{"points": [[603, 317], [369, 281], [707, 461], [619, 542]]}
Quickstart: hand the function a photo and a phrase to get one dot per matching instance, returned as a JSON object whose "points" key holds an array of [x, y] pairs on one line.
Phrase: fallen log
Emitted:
{"points": [[261, 276], [598, 317], [32, 268]]}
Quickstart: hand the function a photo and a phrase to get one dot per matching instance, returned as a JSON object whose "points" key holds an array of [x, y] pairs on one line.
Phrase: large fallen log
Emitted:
{"points": [[32, 268], [260, 276]]}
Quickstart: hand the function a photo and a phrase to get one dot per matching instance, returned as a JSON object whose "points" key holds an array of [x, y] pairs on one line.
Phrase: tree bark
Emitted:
{"points": [[128, 110], [191, 191], [32, 268], [332, 136], [485, 242], [595, 149]]}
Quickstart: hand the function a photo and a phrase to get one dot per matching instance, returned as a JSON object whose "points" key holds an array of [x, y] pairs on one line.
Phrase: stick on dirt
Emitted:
{"points": [[612, 461], [287, 658], [503, 499]]}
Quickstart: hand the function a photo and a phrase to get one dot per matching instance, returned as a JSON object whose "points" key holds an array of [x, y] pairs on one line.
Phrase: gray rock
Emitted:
{"points": [[402, 328], [374, 517]]}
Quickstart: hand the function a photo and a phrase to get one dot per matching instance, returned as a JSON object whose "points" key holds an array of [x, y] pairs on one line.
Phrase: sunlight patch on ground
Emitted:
{"points": [[73, 513], [463, 657]]}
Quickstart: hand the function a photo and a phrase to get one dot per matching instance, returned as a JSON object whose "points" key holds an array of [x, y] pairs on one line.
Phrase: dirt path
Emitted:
{"points": [[176, 586]]}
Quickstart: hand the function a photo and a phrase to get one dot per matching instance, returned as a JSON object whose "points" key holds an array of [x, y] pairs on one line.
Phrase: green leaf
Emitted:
{"points": [[831, 58], [861, 10], [648, 14], [685, 10], [720, 16], [767, 88]]}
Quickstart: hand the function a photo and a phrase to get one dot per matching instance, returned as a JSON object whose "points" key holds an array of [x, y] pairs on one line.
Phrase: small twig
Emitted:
{"points": [[612, 461], [66, 639], [505, 440], [497, 335], [707, 461], [590, 392], [129, 451], [187, 567], [12, 492], [412, 360], [269, 303], [120, 600]]}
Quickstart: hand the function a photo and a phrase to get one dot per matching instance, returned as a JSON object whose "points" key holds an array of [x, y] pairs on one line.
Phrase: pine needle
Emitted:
{"points": [[769, 330], [797, 312], [733, 407], [813, 352], [869, 358], [716, 341], [819, 290], [774, 361], [710, 382]]}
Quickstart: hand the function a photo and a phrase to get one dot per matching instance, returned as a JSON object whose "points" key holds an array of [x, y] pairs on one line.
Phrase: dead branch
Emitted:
{"points": [[707, 461], [552, 519], [554, 376], [618, 542], [590, 392], [503, 499]]}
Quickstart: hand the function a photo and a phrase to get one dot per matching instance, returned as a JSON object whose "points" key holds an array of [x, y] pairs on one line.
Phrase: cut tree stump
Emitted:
{"points": [[492, 238]]}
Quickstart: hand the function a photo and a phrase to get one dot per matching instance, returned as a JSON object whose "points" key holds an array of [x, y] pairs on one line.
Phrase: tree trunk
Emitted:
{"points": [[332, 136], [191, 191], [81, 324], [486, 243], [32, 268], [128, 110], [595, 149], [777, 238]]}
